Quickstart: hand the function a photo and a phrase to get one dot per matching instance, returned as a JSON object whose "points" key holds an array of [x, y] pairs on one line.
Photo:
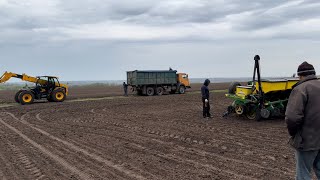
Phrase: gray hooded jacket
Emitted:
{"points": [[303, 114]]}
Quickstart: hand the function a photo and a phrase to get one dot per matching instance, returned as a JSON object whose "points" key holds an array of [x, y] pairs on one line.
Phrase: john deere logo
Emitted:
{"points": [[241, 92]]}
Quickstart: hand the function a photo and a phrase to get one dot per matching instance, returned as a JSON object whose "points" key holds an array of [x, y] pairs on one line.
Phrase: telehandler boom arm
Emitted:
{"points": [[8, 75]]}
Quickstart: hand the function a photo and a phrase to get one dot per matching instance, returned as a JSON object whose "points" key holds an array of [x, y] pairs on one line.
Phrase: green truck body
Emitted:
{"points": [[157, 82], [139, 78]]}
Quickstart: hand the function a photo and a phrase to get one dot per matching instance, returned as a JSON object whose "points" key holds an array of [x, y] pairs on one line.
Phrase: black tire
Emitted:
{"points": [[49, 98], [58, 95], [253, 112], [265, 113], [16, 97], [26, 97], [139, 92], [182, 90], [150, 91], [233, 87], [160, 91]]}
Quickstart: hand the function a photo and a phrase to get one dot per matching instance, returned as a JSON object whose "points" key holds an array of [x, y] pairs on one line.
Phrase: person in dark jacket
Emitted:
{"points": [[205, 99], [303, 122], [125, 89]]}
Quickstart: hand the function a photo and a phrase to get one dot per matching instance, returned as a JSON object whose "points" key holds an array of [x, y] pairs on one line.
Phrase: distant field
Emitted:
{"points": [[97, 90], [10, 87]]}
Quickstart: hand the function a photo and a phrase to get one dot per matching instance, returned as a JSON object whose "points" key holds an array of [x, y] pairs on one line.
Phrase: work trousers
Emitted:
{"points": [[306, 161], [206, 108]]}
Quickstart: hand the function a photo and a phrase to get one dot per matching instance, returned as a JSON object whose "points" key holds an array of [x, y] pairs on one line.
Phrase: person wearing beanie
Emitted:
{"points": [[205, 99], [303, 122]]}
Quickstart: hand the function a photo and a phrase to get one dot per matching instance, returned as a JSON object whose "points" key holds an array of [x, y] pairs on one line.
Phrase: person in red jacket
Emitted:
{"points": [[303, 122]]}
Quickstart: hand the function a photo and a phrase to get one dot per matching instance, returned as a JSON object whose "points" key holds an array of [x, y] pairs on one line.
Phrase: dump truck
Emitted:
{"points": [[46, 87], [157, 82], [260, 98]]}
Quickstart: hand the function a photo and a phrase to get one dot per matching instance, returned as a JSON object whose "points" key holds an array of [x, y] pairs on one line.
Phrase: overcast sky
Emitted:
{"points": [[101, 39]]}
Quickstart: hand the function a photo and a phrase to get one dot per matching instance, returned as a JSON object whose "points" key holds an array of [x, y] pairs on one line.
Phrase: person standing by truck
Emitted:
{"points": [[205, 99], [303, 122], [125, 88]]}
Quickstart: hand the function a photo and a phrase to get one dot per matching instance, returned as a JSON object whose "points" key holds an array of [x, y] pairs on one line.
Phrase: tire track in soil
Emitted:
{"points": [[9, 168], [242, 127], [189, 140], [54, 157], [77, 149], [222, 145], [188, 151], [27, 163], [48, 166], [215, 140], [170, 157], [231, 136], [2, 174]]}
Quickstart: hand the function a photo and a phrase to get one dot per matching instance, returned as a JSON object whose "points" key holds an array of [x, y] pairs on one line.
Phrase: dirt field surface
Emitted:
{"points": [[159, 137]]}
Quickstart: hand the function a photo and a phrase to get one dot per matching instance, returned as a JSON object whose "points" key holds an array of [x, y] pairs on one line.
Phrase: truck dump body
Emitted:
{"points": [[138, 78]]}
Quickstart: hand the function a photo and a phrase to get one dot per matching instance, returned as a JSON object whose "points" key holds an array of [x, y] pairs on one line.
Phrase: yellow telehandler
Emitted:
{"points": [[47, 87]]}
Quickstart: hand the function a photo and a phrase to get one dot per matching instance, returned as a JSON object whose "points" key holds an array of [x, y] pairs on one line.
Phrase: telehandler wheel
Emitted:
{"points": [[160, 91], [150, 91], [233, 87], [26, 97], [58, 95], [16, 97], [182, 90]]}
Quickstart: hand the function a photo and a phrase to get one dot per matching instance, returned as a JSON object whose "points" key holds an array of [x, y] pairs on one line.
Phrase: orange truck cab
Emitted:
{"points": [[183, 78]]}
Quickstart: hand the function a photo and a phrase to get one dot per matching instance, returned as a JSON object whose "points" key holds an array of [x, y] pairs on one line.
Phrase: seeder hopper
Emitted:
{"points": [[260, 98]]}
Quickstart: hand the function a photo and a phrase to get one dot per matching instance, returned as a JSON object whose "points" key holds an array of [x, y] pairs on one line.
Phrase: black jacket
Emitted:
{"points": [[303, 114], [205, 90]]}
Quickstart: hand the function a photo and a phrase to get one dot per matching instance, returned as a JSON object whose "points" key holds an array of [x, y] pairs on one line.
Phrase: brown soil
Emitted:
{"points": [[160, 137]]}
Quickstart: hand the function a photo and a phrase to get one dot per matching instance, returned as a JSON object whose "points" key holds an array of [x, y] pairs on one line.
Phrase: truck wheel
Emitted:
{"points": [[233, 87], [160, 91], [58, 95], [182, 89], [150, 91], [16, 97], [139, 92], [26, 97]]}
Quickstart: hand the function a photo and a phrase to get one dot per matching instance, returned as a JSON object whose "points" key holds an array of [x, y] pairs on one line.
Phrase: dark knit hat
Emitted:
{"points": [[206, 82], [306, 69]]}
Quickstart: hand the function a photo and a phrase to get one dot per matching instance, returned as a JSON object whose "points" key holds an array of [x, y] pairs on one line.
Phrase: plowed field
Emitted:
{"points": [[159, 137]]}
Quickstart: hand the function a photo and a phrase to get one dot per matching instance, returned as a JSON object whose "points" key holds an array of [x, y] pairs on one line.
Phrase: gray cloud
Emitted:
{"points": [[167, 19], [132, 34]]}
